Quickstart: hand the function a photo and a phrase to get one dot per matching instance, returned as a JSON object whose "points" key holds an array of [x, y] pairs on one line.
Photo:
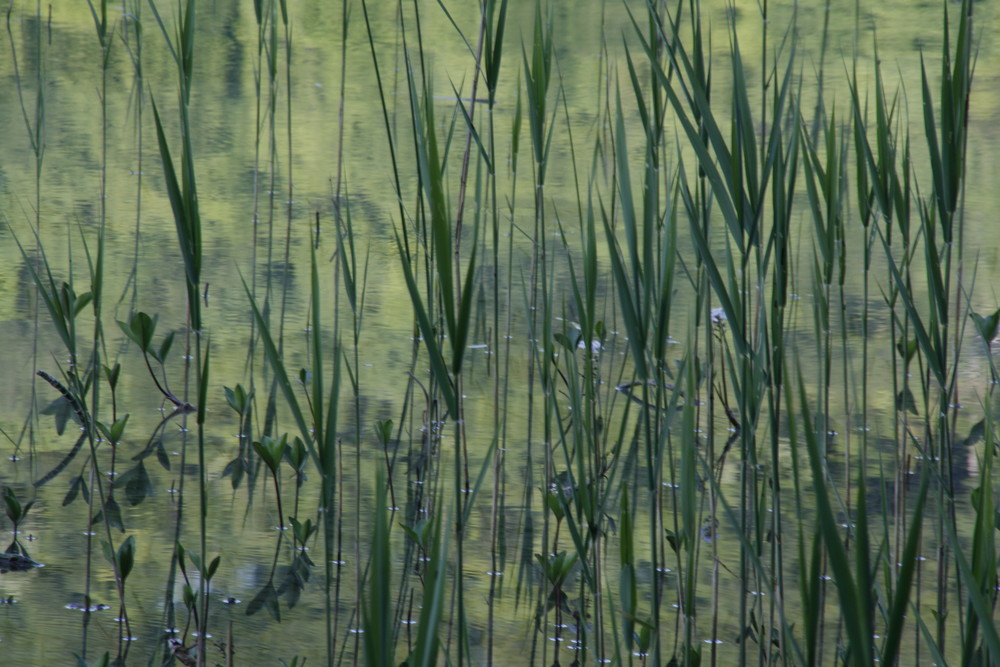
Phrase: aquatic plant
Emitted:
{"points": [[695, 396]]}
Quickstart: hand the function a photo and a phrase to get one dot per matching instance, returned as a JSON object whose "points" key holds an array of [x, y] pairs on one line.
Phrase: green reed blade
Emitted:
{"points": [[980, 605], [427, 642], [465, 307], [627, 584], [57, 301], [377, 613], [637, 90], [537, 73], [732, 308], [471, 127], [984, 553], [734, 517], [494, 44], [281, 379], [947, 156], [634, 324], [904, 579], [183, 202], [725, 189], [928, 340], [929, 641], [431, 339], [100, 22], [853, 603]]}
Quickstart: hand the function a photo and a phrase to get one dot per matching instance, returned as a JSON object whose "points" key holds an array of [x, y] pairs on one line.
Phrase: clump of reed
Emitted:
{"points": [[677, 464]]}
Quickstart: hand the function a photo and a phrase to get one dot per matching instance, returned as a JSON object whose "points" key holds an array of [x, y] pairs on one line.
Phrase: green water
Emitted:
{"points": [[260, 203]]}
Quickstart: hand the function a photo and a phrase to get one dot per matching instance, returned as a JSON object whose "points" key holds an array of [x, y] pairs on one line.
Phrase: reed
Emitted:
{"points": [[182, 192], [693, 399]]}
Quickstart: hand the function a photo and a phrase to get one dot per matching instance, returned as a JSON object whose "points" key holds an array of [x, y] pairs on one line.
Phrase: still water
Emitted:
{"points": [[275, 165]]}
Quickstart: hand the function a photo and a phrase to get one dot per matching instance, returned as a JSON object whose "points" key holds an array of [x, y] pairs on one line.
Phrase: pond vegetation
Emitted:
{"points": [[691, 374]]}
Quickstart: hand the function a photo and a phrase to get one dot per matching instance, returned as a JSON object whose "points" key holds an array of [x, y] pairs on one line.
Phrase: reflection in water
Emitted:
{"points": [[556, 427], [15, 561]]}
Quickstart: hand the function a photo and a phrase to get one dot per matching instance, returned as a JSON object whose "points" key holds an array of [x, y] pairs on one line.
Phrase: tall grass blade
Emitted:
{"points": [[378, 626]]}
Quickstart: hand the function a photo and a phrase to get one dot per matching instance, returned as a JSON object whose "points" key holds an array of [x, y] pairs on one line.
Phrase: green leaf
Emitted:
{"points": [[190, 599], [672, 540], [165, 346], [271, 450], [383, 431], [238, 398], [140, 330], [81, 302], [112, 374], [296, 454], [302, 531], [212, 567], [555, 505], [906, 348], [113, 434], [987, 326]]}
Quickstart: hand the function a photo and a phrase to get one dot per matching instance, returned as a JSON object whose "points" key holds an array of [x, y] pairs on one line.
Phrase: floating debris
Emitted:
{"points": [[181, 653], [708, 530], [79, 606]]}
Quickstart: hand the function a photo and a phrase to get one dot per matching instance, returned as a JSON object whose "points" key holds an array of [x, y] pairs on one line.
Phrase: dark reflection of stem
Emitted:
{"points": [[88, 603], [81, 417], [152, 443], [182, 408], [65, 462], [84, 420], [277, 555], [169, 610], [722, 457]]}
